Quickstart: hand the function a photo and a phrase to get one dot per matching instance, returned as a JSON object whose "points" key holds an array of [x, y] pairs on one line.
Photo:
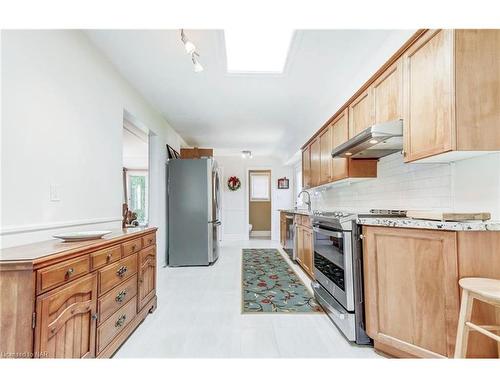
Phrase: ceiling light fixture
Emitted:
{"points": [[246, 154], [191, 50]]}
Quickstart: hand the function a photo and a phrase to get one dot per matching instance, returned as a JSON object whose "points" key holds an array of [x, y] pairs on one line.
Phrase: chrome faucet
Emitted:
{"points": [[308, 199]]}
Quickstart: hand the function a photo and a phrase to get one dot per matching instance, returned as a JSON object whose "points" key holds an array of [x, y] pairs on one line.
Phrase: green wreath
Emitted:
{"points": [[233, 183]]}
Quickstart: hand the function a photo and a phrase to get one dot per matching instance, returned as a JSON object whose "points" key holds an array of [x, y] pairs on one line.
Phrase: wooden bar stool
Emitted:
{"points": [[487, 291]]}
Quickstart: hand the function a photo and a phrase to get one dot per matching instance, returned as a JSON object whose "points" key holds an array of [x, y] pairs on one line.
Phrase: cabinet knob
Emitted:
{"points": [[94, 316], [70, 271], [121, 271], [121, 296], [120, 321], [108, 257], [133, 247]]}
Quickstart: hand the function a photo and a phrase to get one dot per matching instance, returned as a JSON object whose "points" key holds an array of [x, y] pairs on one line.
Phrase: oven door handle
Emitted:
{"points": [[328, 233]]}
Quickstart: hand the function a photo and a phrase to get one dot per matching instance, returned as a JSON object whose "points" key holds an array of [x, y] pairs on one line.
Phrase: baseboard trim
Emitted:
{"points": [[260, 233], [54, 225]]}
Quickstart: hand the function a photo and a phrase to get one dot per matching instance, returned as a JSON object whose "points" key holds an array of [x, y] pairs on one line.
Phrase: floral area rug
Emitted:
{"points": [[269, 285]]}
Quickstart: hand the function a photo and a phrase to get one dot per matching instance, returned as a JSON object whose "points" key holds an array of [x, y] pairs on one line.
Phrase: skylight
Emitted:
{"points": [[257, 50]]}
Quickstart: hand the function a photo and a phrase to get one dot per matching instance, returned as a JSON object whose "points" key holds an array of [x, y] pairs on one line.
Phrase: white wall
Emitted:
{"points": [[62, 121], [235, 203], [466, 185]]}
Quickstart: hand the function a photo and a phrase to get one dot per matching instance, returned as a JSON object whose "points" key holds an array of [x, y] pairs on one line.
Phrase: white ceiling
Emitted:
{"points": [[268, 114]]}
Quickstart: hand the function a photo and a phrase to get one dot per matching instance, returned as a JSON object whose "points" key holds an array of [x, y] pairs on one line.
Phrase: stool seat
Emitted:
{"points": [[486, 288]]}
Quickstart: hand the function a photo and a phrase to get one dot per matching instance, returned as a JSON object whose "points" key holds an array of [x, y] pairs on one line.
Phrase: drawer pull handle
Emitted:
{"points": [[121, 296], [133, 247], [120, 321], [108, 257], [70, 271], [94, 316], [121, 271], [150, 241]]}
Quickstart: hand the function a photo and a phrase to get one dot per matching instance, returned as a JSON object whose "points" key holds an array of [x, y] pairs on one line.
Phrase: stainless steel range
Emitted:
{"points": [[338, 269]]}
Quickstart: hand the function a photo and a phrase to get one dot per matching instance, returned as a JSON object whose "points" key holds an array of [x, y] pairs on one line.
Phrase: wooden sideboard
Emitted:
{"points": [[76, 300]]}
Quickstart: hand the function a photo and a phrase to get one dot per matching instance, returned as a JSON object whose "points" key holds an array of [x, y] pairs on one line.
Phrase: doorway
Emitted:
{"points": [[259, 204], [135, 161]]}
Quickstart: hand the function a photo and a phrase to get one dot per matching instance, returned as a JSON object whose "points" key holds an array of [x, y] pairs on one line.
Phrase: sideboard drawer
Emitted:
{"points": [[130, 247], [112, 275], [102, 257], [148, 240], [107, 331], [58, 274], [116, 298]]}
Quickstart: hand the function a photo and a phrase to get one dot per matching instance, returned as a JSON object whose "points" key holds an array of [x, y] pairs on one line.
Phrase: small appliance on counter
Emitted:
{"points": [[194, 212]]}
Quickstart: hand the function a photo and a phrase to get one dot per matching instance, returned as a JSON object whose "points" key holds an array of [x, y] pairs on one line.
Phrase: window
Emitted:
{"points": [[137, 191], [260, 184]]}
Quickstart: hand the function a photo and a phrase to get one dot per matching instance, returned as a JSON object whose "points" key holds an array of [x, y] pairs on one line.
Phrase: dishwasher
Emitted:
{"points": [[290, 237]]}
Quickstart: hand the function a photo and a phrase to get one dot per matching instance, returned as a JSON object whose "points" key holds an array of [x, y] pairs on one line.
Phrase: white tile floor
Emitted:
{"points": [[199, 315]]}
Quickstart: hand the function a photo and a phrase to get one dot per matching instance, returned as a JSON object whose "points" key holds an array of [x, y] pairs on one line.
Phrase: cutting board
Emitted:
{"points": [[448, 216]]}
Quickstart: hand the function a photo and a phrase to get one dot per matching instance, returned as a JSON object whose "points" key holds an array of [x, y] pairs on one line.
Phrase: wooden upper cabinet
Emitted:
{"points": [[420, 268], [429, 106], [306, 168], [451, 97], [315, 163], [387, 94], [360, 113], [325, 142], [340, 134], [66, 320]]}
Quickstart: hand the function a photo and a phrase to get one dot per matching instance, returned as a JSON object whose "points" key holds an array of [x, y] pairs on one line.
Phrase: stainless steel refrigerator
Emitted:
{"points": [[193, 206]]}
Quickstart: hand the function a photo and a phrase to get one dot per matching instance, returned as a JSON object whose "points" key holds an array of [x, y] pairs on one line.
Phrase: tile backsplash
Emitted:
{"points": [[466, 185]]}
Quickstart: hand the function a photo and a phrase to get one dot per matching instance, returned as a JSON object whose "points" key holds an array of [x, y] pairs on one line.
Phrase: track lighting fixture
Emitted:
{"points": [[191, 50]]}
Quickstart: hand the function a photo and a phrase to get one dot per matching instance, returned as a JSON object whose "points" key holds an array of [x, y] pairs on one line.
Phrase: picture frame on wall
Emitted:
{"points": [[283, 183]]}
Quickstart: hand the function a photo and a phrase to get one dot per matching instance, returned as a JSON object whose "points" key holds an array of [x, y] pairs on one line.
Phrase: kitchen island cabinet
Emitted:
{"points": [[412, 296]]}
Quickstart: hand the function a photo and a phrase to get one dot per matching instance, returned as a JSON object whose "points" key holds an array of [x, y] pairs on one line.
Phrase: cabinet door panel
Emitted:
{"points": [[325, 140], [315, 163], [306, 168], [360, 114], [387, 95], [340, 130], [66, 321], [147, 276], [418, 267], [429, 103]]}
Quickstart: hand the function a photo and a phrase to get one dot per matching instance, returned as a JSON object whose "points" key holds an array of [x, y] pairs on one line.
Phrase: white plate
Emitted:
{"points": [[81, 236]]}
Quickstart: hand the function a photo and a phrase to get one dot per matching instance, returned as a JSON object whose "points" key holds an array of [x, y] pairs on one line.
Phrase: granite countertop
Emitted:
{"points": [[402, 222]]}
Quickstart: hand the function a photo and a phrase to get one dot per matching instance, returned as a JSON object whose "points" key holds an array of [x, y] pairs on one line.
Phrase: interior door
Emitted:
{"points": [[66, 320]]}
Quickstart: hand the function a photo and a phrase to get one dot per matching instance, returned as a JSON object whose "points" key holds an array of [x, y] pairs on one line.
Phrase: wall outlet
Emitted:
{"points": [[55, 193]]}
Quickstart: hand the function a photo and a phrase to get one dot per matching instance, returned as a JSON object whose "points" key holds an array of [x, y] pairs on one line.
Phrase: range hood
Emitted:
{"points": [[373, 143]]}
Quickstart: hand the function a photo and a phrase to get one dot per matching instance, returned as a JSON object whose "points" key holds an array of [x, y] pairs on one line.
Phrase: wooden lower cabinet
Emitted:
{"points": [[411, 288], [66, 320], [304, 243], [147, 276], [77, 311], [283, 229]]}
